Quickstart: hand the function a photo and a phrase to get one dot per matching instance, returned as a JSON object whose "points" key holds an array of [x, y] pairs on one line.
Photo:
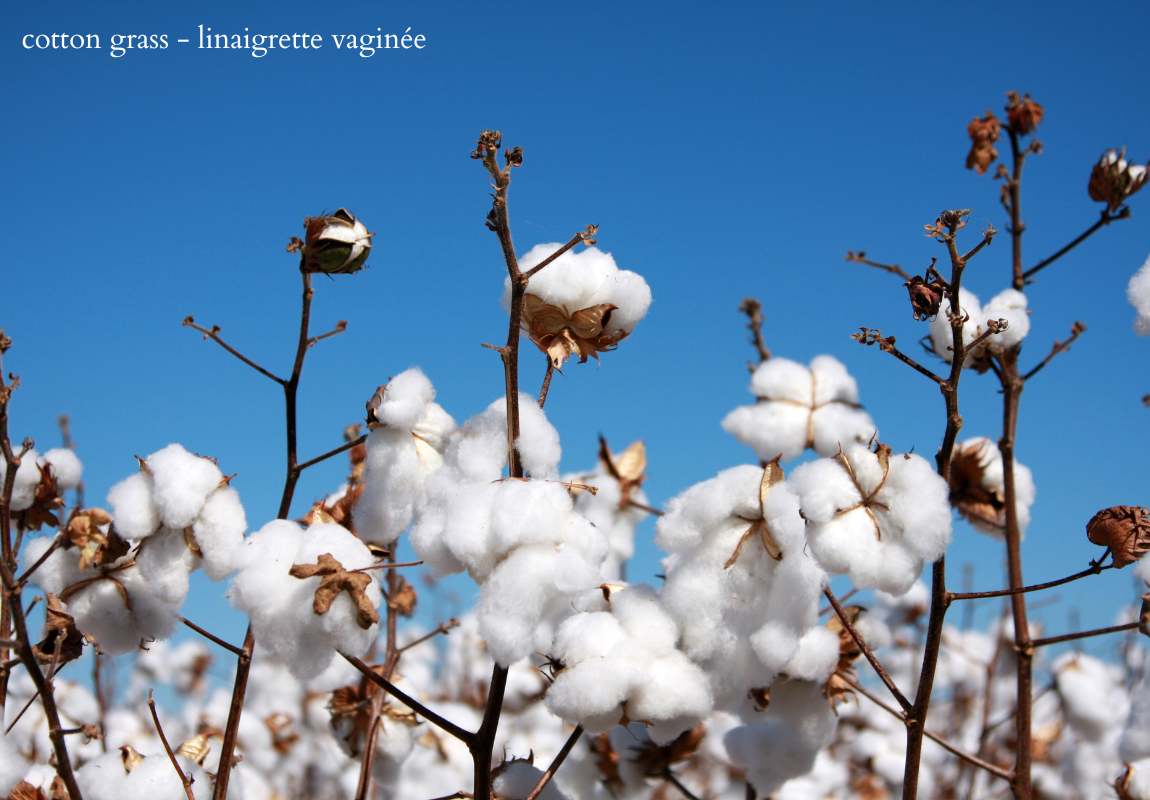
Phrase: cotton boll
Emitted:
{"points": [[538, 442], [66, 468], [511, 602], [1137, 783], [516, 779], [1010, 304], [182, 482], [978, 487], [393, 485], [941, 332], [134, 512], [777, 429], [817, 656], [167, 561], [782, 379], [100, 612], [673, 698], [1093, 696], [1138, 293], [404, 400], [27, 479], [1135, 741], [12, 765], [840, 424], [219, 531], [60, 570]]}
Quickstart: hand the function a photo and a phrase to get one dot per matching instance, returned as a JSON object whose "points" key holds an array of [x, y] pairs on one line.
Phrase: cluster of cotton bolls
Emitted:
{"points": [[175, 515], [876, 516], [801, 407], [519, 539], [978, 489], [1009, 305]]}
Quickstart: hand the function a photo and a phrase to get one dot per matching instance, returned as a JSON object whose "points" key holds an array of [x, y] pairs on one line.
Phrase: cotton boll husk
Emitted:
{"points": [[516, 779], [26, 481], [339, 622], [1138, 787], [772, 429], [941, 332], [817, 656], [12, 765], [66, 468], [990, 460], [1009, 304], [1135, 741], [182, 482], [1138, 293], [405, 399], [133, 510], [219, 531]]}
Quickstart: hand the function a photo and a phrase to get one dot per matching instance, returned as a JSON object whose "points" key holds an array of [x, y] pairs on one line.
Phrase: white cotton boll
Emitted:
{"points": [[733, 491], [59, 571], [585, 636], [673, 698], [1093, 694], [979, 462], [941, 332], [100, 612], [572, 571], [134, 512], [12, 765], [527, 512], [182, 482], [1009, 304], [392, 486], [873, 630], [66, 468], [1138, 785], [772, 429], [538, 442], [917, 498], [782, 379], [479, 450], [839, 424], [511, 602], [103, 778], [405, 399], [1135, 741], [516, 779], [167, 561], [27, 479], [466, 529], [593, 693], [1138, 293], [641, 613], [219, 531], [817, 656]]}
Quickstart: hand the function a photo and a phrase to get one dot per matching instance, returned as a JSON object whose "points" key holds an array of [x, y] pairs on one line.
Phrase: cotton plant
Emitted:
{"points": [[619, 662], [978, 490], [874, 515], [738, 578], [801, 407]]}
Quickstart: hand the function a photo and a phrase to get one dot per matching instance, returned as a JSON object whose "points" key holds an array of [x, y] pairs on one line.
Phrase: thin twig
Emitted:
{"points": [[671, 779], [51, 549], [214, 336], [1105, 219], [1094, 569], [842, 599], [894, 269], [894, 351], [965, 756], [987, 236], [212, 638], [546, 777], [754, 311], [574, 241], [184, 779], [459, 733], [1059, 347], [642, 507], [866, 651], [27, 705], [340, 327], [444, 628], [1129, 626], [546, 381], [331, 453]]}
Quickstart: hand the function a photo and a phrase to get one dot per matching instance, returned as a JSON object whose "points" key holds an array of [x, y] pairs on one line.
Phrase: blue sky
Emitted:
{"points": [[725, 150]]}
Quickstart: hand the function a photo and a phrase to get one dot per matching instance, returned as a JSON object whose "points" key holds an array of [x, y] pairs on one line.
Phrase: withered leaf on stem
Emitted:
{"points": [[45, 502], [1124, 529], [335, 579], [64, 641]]}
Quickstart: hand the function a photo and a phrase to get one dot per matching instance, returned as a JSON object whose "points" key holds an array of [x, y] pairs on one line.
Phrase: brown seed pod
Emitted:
{"points": [[1124, 529]]}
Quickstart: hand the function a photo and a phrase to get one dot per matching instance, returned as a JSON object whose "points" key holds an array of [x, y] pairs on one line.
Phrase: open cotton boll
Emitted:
{"points": [[121, 611], [27, 479], [479, 450], [181, 483], [801, 407], [816, 658], [405, 399], [877, 516], [134, 512], [794, 728], [60, 570], [394, 479], [978, 489], [1010, 305], [1138, 293], [941, 332], [1135, 741], [66, 468], [516, 779], [12, 765], [1093, 695], [1136, 782], [578, 280], [604, 510], [166, 561], [219, 531]]}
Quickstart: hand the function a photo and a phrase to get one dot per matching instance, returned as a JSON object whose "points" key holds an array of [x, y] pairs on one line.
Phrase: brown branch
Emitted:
{"points": [[1093, 569], [444, 628], [1059, 347], [860, 258], [842, 599], [212, 638], [642, 507], [866, 651], [965, 756], [574, 241], [754, 311], [987, 237], [213, 334], [340, 327], [1105, 219], [1017, 226], [184, 779], [546, 381], [669, 776], [555, 764], [446, 725], [1129, 626], [342, 448]]}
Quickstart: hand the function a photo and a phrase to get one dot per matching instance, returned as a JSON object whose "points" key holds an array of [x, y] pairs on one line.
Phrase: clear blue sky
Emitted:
{"points": [[725, 149]]}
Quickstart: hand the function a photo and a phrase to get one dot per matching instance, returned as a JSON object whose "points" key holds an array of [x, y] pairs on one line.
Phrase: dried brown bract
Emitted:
{"points": [[772, 474], [64, 641], [1113, 179], [627, 468], [96, 546], [1124, 529], [405, 598], [926, 294], [656, 760], [983, 132], [967, 494], [1022, 114], [561, 333], [335, 579]]}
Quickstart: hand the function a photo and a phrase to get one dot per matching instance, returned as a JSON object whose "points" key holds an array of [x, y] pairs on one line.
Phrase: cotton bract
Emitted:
{"points": [[978, 489], [801, 407], [877, 516]]}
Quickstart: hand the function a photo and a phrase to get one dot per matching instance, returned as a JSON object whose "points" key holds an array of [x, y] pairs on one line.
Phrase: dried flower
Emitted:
{"points": [[925, 298], [336, 244], [561, 334], [1022, 113], [1113, 179], [1124, 529], [984, 132]]}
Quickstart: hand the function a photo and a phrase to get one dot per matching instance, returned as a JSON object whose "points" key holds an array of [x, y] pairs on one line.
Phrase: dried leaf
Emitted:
{"points": [[283, 735], [336, 580], [63, 636], [608, 761]]}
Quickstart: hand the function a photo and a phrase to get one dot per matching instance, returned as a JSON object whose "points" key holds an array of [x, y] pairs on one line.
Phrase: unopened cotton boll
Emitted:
{"points": [[181, 483], [66, 468], [877, 516], [801, 407], [1138, 293]]}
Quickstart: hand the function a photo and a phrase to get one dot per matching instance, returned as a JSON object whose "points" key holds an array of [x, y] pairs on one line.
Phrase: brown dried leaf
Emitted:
{"points": [[283, 735], [335, 579], [59, 790], [608, 761]]}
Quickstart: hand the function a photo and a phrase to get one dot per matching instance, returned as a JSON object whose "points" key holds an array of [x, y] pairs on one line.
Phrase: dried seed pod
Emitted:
{"points": [[1124, 529]]}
